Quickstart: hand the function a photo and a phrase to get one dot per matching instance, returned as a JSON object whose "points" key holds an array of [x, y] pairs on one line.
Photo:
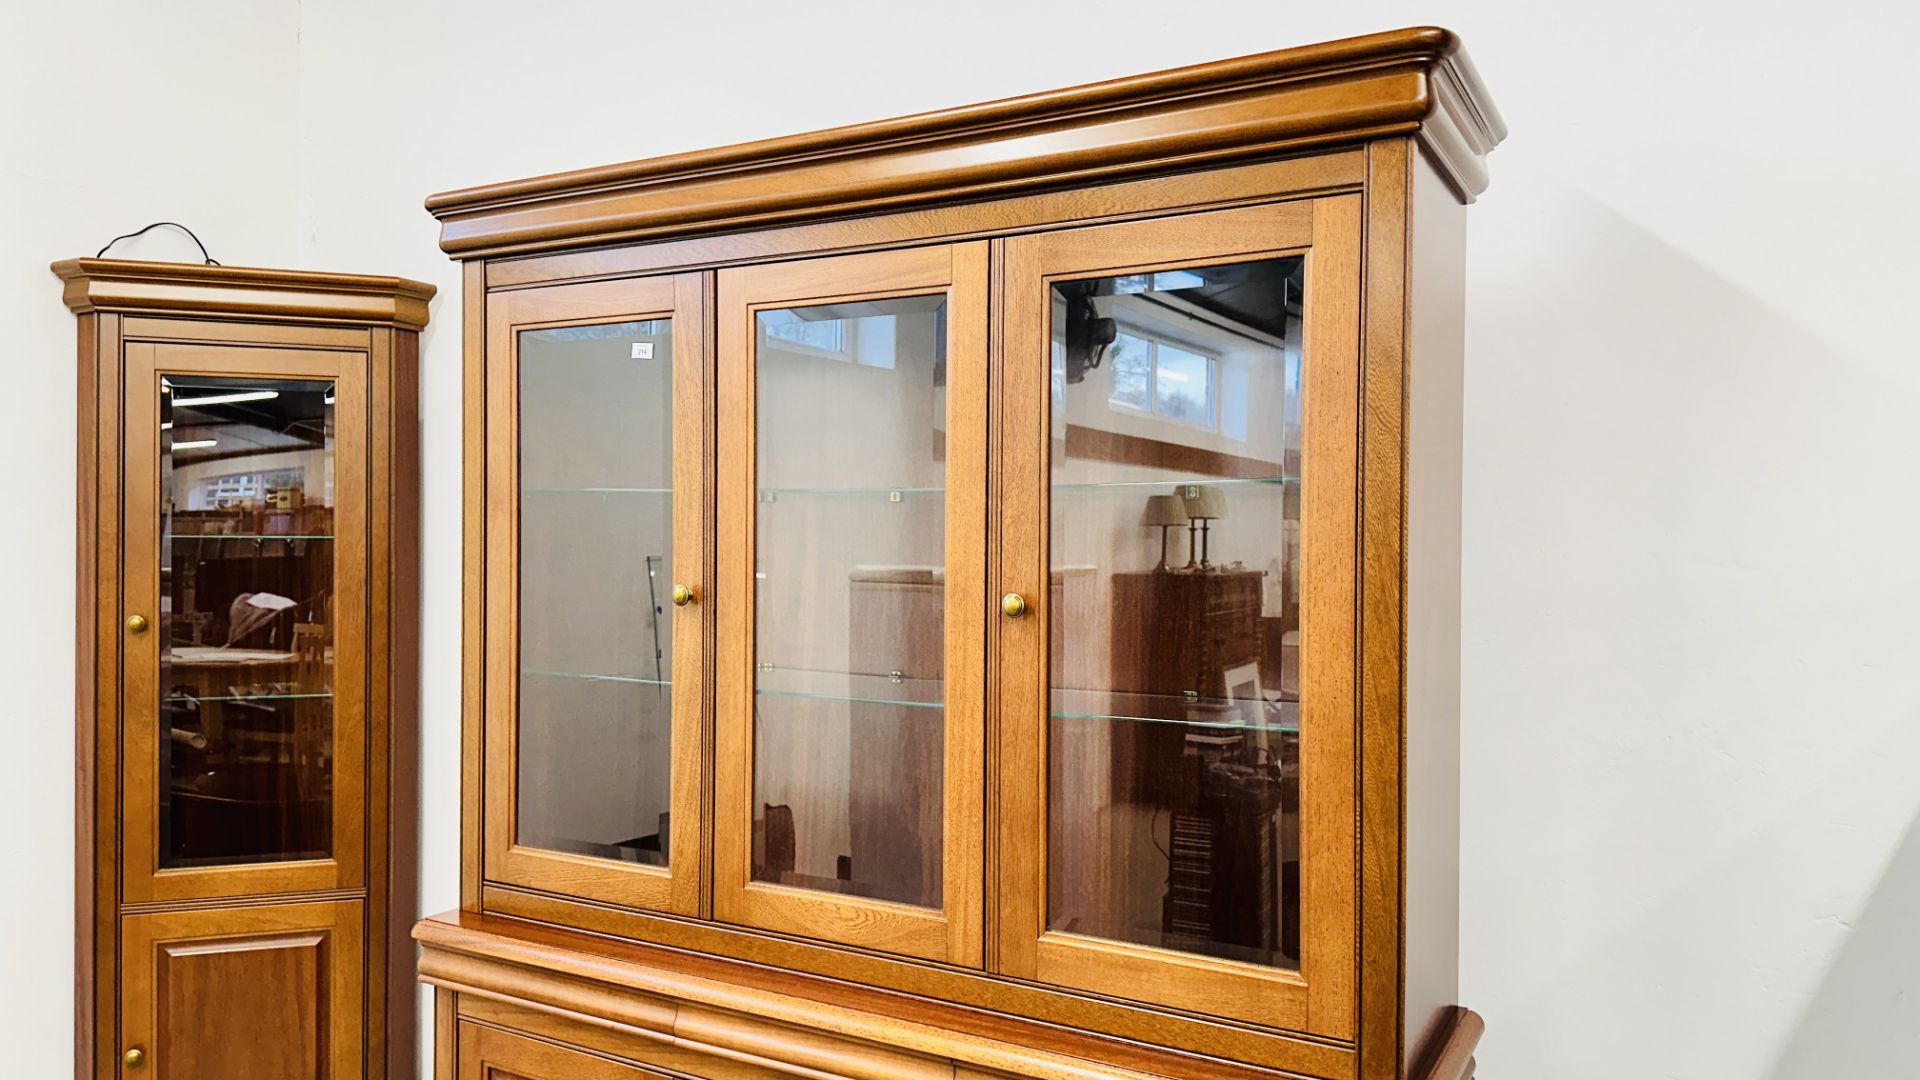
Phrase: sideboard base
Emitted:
{"points": [[519, 1001]]}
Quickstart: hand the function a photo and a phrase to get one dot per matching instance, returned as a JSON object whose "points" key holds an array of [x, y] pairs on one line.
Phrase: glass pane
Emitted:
{"points": [[849, 723], [246, 610], [1174, 736], [596, 574]]}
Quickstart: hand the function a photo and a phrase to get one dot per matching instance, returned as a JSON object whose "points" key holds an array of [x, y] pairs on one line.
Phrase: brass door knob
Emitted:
{"points": [[1013, 605], [137, 624], [682, 595], [134, 1058]]}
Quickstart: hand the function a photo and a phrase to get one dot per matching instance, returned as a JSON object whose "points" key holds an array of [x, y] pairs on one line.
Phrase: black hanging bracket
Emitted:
{"points": [[155, 225]]}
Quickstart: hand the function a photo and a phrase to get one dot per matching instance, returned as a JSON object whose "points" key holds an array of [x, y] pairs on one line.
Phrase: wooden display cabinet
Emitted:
{"points": [[829, 708], [248, 633]]}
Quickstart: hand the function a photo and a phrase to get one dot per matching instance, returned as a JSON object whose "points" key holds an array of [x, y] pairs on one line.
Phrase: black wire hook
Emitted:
{"points": [[155, 225]]}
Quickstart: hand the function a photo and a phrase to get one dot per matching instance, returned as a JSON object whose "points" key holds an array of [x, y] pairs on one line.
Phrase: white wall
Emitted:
{"points": [[1692, 824], [113, 114]]}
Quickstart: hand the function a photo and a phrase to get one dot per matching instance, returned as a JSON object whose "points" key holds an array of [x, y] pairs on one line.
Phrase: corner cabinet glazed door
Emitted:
{"points": [[849, 735], [1177, 710], [246, 622], [596, 472]]}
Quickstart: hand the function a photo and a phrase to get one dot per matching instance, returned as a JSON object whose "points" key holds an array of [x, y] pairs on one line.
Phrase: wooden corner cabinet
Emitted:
{"points": [[975, 595], [248, 633]]}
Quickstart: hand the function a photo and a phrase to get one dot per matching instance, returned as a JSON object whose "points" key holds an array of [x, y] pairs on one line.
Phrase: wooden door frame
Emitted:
{"points": [[676, 889], [1321, 997], [954, 933], [143, 878]]}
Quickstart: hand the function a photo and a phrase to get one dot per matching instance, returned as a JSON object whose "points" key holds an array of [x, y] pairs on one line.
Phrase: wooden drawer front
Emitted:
{"points": [[490, 1054]]}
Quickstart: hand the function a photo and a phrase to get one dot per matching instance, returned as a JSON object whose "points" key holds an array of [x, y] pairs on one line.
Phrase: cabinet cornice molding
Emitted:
{"points": [[1416, 82], [238, 292]]}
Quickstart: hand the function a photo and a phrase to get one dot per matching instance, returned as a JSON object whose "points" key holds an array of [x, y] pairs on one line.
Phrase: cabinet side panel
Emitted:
{"points": [[86, 664], [97, 828], [473, 613], [1382, 537], [1436, 334], [381, 687], [403, 722]]}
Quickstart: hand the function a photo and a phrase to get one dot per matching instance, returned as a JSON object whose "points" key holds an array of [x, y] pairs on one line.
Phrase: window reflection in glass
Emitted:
{"points": [[1183, 385], [1131, 359], [1156, 375], [247, 627], [1174, 737]]}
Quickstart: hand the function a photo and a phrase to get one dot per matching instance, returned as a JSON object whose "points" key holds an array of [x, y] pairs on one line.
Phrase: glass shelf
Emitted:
{"points": [[546, 490], [925, 693], [896, 494], [849, 686], [1205, 714], [256, 537], [245, 697], [1179, 482], [891, 494], [589, 676]]}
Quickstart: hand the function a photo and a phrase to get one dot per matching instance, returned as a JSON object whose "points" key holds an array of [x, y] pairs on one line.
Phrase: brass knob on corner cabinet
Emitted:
{"points": [[683, 595], [134, 1058], [137, 624], [1013, 605]]}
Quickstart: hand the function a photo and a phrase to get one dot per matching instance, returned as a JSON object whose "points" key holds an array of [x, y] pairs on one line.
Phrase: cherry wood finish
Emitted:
{"points": [[1433, 390], [1409, 82], [1338, 170], [488, 1053], [143, 879], [1327, 232], [1355, 156], [1449, 1053], [340, 922], [655, 1053], [951, 933], [245, 993], [241, 293], [785, 1024], [676, 888]]}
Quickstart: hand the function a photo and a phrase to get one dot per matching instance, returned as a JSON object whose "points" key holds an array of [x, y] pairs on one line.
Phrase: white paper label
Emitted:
{"points": [[643, 350]]}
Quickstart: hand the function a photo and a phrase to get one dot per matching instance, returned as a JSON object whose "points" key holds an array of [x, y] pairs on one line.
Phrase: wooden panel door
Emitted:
{"points": [[851, 525], [244, 993], [1177, 746], [245, 621], [596, 613]]}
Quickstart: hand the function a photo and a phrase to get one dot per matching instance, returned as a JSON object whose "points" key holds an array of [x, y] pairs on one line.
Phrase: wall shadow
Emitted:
{"points": [[1689, 711], [1863, 1023]]}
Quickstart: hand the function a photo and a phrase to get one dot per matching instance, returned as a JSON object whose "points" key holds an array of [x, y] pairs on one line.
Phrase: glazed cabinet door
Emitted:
{"points": [[596, 466], [852, 462], [245, 586], [1177, 709], [243, 994]]}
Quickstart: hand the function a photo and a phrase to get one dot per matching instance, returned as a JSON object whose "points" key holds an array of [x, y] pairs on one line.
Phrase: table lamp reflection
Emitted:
{"points": [[1164, 512], [1204, 504]]}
